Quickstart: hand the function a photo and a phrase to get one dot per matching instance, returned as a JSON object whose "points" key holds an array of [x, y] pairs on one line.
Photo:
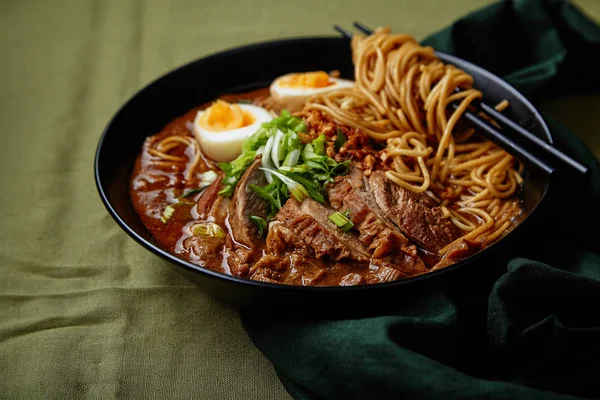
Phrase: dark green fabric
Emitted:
{"points": [[534, 333]]}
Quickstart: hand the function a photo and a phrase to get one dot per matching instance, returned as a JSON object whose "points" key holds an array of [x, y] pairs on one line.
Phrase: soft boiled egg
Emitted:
{"points": [[290, 91], [223, 127]]}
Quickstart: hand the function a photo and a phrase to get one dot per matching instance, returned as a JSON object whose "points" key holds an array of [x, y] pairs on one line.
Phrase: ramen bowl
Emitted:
{"points": [[255, 66]]}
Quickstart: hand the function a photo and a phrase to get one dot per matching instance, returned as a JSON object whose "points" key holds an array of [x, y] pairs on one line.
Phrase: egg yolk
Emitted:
{"points": [[316, 79], [222, 116]]}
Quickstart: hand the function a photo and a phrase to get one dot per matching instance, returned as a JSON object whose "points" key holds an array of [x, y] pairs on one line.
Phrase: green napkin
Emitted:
{"points": [[532, 333]]}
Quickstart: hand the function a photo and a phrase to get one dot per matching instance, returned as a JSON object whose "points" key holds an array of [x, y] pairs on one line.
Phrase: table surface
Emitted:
{"points": [[85, 312]]}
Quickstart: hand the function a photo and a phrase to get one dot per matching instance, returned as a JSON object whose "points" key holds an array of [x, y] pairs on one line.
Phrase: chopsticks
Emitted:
{"points": [[513, 137]]}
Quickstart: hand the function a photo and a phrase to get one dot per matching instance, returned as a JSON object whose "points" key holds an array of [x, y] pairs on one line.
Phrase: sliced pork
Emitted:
{"points": [[244, 243], [306, 224], [382, 237], [418, 216]]}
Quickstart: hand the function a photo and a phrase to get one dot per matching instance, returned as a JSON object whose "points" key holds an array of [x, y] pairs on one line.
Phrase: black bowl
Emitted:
{"points": [[255, 66]]}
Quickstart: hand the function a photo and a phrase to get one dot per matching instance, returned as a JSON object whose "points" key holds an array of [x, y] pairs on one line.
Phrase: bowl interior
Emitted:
{"points": [[243, 69]]}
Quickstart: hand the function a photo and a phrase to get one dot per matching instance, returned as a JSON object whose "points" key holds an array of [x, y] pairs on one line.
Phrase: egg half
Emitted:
{"points": [[290, 91], [222, 128]]}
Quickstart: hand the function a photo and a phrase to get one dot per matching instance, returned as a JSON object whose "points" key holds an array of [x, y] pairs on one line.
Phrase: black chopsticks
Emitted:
{"points": [[514, 138], [536, 141]]}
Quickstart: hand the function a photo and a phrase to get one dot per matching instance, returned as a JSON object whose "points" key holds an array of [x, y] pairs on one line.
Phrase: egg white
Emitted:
{"points": [[293, 98], [307, 91], [224, 146]]}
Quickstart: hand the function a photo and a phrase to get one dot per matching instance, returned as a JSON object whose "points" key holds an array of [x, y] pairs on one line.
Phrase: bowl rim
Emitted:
{"points": [[188, 266]]}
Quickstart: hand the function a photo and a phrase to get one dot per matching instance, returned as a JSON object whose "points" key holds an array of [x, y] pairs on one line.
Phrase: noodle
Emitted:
{"points": [[401, 95], [161, 151]]}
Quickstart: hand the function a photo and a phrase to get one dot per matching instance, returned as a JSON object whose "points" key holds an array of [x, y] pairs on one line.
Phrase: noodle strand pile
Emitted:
{"points": [[401, 95]]}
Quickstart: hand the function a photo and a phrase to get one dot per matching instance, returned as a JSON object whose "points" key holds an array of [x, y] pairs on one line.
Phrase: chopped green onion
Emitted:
{"points": [[290, 183], [298, 168], [319, 145], [190, 192], [342, 168], [341, 220], [316, 165], [266, 161], [308, 154], [330, 162], [340, 140], [282, 147], [275, 151], [301, 127], [324, 176], [167, 214], [265, 195], [208, 177], [260, 224], [244, 101], [234, 170], [299, 192], [208, 229], [311, 187], [291, 158]]}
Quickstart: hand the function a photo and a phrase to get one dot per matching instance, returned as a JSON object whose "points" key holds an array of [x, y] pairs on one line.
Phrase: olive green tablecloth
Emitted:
{"points": [[84, 311]]}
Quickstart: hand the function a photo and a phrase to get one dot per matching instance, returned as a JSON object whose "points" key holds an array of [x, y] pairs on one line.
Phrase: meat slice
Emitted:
{"points": [[415, 214], [376, 231], [243, 243], [206, 251], [351, 279], [380, 235], [306, 224], [245, 203], [292, 268], [211, 206], [385, 274]]}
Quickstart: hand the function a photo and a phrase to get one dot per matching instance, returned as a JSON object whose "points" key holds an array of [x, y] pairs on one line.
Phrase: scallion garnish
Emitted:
{"points": [[208, 229], [299, 192], [190, 192], [341, 220], [265, 194], [340, 140], [167, 214], [206, 179], [260, 224], [291, 168], [289, 141]]}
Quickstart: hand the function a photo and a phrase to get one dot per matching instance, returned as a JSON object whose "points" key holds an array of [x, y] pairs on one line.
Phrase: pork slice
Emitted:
{"points": [[212, 207], [376, 232], [352, 279], [293, 267], [245, 203], [417, 216], [204, 251], [306, 224], [243, 242], [385, 274]]}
